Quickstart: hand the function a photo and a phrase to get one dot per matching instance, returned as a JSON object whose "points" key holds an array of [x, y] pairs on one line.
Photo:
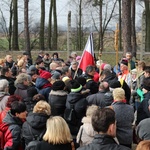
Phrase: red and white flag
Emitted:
{"points": [[88, 54]]}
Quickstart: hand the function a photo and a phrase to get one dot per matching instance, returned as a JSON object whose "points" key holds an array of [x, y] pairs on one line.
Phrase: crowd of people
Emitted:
{"points": [[111, 103]]}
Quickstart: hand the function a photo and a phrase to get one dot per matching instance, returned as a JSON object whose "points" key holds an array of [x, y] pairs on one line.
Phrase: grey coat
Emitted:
{"points": [[124, 117]]}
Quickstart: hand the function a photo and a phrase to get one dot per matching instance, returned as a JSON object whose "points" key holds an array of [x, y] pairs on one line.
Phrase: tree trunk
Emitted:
{"points": [[10, 26], [147, 13], [50, 26], [26, 27], [133, 37], [15, 45], [55, 34], [80, 26], [42, 25], [126, 26]]}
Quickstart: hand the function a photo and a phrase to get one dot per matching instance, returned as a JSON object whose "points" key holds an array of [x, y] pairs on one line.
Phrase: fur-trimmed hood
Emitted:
{"points": [[58, 93]]}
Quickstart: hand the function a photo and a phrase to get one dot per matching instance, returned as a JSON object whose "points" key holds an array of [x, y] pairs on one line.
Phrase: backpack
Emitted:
{"points": [[70, 115], [35, 140]]}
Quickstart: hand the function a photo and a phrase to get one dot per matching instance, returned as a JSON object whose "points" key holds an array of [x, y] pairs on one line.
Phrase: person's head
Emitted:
{"points": [[58, 85], [66, 71], [45, 74], [42, 107], [118, 94], [76, 87], [11, 99], [31, 91], [90, 70], [103, 121], [105, 73], [81, 80], [38, 97], [18, 109], [104, 86], [2, 62], [90, 110], [9, 58], [143, 145], [124, 64], [55, 56], [146, 85], [46, 56], [141, 65], [128, 55], [57, 131], [6, 71], [74, 55], [147, 71], [23, 78], [74, 65], [53, 66], [39, 63], [4, 86]]}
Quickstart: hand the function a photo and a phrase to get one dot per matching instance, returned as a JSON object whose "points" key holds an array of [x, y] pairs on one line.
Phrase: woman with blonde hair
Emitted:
{"points": [[57, 135], [143, 145], [36, 121]]}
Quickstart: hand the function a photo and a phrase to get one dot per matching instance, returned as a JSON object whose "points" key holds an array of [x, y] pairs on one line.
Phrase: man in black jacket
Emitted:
{"points": [[103, 122]]}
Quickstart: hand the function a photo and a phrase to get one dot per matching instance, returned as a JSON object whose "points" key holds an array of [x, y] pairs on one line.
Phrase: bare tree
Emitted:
{"points": [[26, 27], [42, 25], [126, 25], [15, 44]]}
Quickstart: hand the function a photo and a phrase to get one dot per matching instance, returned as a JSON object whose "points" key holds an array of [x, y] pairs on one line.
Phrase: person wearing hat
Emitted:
{"points": [[43, 84], [79, 103], [143, 109], [57, 98], [125, 74]]}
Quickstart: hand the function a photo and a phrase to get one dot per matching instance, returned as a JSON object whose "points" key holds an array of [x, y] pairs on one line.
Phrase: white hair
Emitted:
{"points": [[3, 84]]}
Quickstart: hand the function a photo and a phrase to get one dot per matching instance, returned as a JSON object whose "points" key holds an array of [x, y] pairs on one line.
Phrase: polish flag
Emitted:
{"points": [[88, 54]]}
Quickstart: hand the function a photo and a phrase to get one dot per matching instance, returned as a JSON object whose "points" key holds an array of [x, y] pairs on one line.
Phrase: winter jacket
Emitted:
{"points": [[21, 90], [43, 87], [11, 128], [86, 133], [91, 84], [79, 73], [3, 100], [57, 101], [143, 111], [102, 99], [80, 106], [103, 142], [47, 146], [11, 81], [37, 123], [124, 116]]}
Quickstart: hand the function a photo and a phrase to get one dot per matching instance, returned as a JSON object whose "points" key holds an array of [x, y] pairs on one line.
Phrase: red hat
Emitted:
{"points": [[44, 74], [102, 66]]}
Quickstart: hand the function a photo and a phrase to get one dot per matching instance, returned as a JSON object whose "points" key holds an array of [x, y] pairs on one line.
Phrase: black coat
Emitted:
{"points": [[46, 146], [102, 99], [103, 142], [57, 101], [142, 111], [80, 106], [37, 122]]}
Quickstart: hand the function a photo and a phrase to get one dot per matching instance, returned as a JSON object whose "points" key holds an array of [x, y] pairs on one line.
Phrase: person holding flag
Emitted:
{"points": [[87, 64]]}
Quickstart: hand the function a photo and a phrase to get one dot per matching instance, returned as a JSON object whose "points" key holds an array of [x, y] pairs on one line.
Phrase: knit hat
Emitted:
{"points": [[114, 84], [56, 75], [32, 70], [81, 80], [58, 85], [124, 61], [64, 79], [102, 66], [76, 87], [44, 74]]}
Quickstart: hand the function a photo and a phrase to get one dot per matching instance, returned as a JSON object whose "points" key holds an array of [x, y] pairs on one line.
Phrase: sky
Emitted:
{"points": [[63, 6]]}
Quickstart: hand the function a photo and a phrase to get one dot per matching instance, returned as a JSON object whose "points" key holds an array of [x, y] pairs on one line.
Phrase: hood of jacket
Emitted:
{"points": [[74, 97], [37, 120], [21, 86], [10, 119], [58, 93], [40, 82]]}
